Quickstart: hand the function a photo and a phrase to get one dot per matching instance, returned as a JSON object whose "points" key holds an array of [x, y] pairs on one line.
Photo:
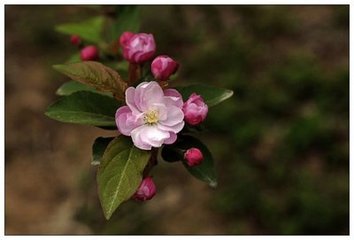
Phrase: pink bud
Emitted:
{"points": [[137, 48], [89, 53], [195, 109], [124, 38], [193, 157], [75, 40], [163, 67], [146, 190]]}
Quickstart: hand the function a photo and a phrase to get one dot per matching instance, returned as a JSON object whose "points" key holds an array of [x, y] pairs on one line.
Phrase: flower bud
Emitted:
{"points": [[195, 109], [193, 157], [89, 53], [75, 40], [137, 48], [163, 67], [125, 37], [146, 190]]}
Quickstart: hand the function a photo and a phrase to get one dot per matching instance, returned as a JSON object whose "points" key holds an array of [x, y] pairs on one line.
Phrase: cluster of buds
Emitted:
{"points": [[138, 48]]}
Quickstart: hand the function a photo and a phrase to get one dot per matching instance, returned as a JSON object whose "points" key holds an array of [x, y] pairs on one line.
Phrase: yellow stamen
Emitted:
{"points": [[151, 117]]}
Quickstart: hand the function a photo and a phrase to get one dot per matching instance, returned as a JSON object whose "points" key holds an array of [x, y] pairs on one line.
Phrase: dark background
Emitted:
{"points": [[281, 143]]}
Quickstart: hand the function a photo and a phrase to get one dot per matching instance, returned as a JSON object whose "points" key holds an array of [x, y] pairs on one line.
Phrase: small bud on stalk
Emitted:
{"points": [[163, 67], [195, 110], [137, 48], [193, 157], [75, 40], [146, 190], [89, 53]]}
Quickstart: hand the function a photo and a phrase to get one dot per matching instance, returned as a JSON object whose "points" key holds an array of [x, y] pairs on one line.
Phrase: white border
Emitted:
{"points": [[184, 2]]}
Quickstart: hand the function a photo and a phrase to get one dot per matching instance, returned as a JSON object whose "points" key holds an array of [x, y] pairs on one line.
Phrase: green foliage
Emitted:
{"points": [[98, 148], [85, 108], [96, 75], [211, 95], [73, 86], [89, 30], [120, 173], [204, 171], [127, 19], [74, 58]]}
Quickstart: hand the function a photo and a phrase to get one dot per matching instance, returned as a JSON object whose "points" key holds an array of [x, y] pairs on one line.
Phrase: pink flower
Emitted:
{"points": [[163, 67], [193, 157], [195, 109], [75, 40], [152, 116], [89, 53], [146, 190], [137, 48]]}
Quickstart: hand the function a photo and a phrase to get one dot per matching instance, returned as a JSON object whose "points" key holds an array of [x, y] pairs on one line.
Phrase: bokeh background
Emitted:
{"points": [[280, 143]]}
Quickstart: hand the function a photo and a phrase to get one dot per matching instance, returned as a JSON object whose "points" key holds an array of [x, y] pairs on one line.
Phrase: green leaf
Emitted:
{"points": [[120, 173], [211, 95], [98, 148], [85, 108], [171, 154], [89, 29], [74, 58], [127, 19], [96, 75], [72, 86], [205, 171]]}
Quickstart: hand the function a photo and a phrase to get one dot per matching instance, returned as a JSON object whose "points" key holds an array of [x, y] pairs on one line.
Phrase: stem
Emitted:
{"points": [[134, 72], [152, 162]]}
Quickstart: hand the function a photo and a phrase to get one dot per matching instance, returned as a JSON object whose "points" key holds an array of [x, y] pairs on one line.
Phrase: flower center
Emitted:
{"points": [[151, 117]]}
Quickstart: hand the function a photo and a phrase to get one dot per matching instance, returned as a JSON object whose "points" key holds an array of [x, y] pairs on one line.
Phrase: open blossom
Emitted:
{"points": [[146, 190], [152, 116], [193, 157], [137, 48], [163, 67], [195, 109]]}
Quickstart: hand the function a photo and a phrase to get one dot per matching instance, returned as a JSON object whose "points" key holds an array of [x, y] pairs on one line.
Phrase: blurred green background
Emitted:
{"points": [[281, 143]]}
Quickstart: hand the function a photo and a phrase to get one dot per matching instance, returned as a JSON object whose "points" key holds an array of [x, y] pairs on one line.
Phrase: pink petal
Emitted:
{"points": [[138, 140], [175, 128], [146, 136], [171, 139], [129, 98], [174, 116], [147, 94], [173, 97], [126, 121]]}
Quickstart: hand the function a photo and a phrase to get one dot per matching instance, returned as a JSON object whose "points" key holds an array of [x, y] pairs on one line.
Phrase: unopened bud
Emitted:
{"points": [[137, 48], [193, 157], [195, 110], [89, 53], [124, 38], [163, 67], [75, 40], [146, 190]]}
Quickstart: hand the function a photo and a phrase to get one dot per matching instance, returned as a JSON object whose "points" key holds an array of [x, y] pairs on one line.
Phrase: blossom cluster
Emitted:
{"points": [[125, 84], [154, 116]]}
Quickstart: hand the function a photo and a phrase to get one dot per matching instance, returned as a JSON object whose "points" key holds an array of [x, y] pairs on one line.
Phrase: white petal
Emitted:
{"points": [[138, 141], [174, 116], [153, 136]]}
